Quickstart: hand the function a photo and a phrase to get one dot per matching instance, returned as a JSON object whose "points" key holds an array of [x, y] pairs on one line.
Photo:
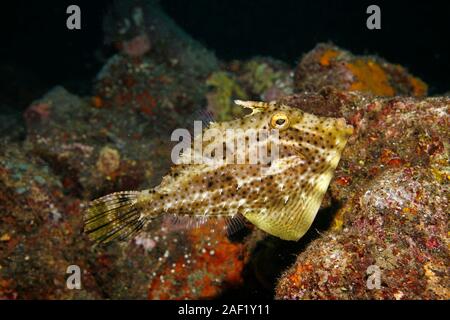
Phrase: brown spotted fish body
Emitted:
{"points": [[280, 196]]}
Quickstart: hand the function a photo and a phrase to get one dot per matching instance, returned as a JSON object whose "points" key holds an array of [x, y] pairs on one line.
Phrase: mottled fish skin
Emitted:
{"points": [[281, 197]]}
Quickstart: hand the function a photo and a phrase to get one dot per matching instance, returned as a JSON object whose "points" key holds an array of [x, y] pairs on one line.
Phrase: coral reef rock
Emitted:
{"points": [[260, 78], [391, 188], [328, 65], [78, 148]]}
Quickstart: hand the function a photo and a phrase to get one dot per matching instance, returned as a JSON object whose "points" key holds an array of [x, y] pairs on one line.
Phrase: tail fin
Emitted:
{"points": [[114, 216]]}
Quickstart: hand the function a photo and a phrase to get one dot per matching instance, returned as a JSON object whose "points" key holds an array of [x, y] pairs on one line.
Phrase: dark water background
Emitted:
{"points": [[38, 52]]}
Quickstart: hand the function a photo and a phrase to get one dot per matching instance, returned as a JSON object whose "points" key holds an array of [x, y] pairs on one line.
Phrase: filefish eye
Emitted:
{"points": [[279, 121]]}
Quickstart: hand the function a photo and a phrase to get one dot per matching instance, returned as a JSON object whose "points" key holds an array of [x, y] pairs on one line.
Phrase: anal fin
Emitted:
{"points": [[228, 225], [235, 224]]}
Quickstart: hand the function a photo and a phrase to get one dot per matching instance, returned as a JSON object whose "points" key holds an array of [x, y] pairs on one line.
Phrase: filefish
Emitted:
{"points": [[280, 196]]}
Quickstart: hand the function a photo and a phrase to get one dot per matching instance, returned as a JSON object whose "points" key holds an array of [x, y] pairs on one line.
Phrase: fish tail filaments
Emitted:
{"points": [[115, 216]]}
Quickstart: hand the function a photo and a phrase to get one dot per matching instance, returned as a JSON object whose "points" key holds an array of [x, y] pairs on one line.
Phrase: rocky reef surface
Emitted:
{"points": [[387, 206], [391, 191]]}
